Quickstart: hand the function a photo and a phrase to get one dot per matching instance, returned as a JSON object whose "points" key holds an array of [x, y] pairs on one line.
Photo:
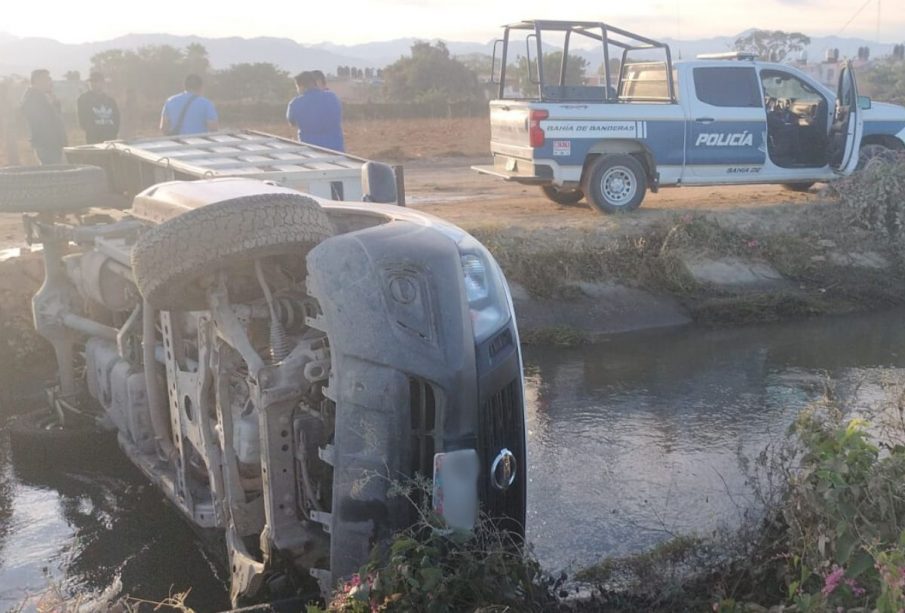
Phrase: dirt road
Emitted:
{"points": [[438, 154], [448, 188]]}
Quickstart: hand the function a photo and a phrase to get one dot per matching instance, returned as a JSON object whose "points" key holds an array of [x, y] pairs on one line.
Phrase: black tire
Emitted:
{"points": [[562, 196], [798, 187], [168, 260], [874, 153], [57, 188], [38, 438], [615, 183]]}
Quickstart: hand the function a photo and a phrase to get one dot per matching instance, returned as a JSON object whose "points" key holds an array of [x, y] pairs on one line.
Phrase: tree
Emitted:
{"points": [[772, 45], [430, 74], [152, 72], [576, 68], [72, 75], [196, 60], [478, 63], [253, 82], [885, 81]]}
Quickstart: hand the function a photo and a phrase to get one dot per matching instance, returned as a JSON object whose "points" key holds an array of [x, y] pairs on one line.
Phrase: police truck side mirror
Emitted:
{"points": [[864, 103]]}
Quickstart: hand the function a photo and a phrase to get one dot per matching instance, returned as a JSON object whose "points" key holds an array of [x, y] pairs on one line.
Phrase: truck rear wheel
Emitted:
{"points": [[615, 183], [561, 195]]}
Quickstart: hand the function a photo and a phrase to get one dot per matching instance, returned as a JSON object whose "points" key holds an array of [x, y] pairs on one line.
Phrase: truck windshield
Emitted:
{"points": [[570, 61]]}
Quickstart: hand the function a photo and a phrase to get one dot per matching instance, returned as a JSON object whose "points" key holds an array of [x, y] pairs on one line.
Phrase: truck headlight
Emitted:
{"points": [[485, 289]]}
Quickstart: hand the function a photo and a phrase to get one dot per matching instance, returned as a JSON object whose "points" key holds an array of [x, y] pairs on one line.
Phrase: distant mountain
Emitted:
{"points": [[21, 55], [387, 52]]}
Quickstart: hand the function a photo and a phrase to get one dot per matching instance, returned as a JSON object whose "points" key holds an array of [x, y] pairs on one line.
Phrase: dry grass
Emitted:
{"points": [[384, 139]]}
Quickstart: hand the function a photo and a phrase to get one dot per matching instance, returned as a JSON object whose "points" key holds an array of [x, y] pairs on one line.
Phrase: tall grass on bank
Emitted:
{"points": [[875, 197]]}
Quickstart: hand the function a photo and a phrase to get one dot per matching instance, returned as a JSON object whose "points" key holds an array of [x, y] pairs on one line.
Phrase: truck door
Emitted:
{"points": [[726, 125], [848, 124]]}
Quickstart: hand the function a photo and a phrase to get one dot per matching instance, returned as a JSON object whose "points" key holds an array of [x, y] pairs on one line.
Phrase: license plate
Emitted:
{"points": [[455, 495]]}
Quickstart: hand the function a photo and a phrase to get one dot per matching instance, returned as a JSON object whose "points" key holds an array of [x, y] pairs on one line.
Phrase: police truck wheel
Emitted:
{"points": [[873, 153], [561, 195], [615, 183], [798, 187]]}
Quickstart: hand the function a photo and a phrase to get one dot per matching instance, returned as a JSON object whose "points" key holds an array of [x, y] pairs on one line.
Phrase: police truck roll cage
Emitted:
{"points": [[601, 32]]}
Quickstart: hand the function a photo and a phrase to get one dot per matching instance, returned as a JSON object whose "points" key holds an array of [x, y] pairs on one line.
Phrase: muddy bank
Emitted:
{"points": [[578, 277], [25, 357], [575, 283]]}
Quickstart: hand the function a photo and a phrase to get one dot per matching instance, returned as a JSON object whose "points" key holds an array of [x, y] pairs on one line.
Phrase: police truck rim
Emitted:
{"points": [[618, 185]]}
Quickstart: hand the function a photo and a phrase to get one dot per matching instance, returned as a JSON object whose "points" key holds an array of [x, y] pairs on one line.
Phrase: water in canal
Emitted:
{"points": [[629, 441]]}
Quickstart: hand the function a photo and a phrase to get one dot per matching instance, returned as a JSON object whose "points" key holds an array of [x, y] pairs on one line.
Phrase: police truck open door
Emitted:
{"points": [[848, 124]]}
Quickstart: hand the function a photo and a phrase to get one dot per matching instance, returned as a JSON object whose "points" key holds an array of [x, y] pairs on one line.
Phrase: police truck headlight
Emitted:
{"points": [[485, 289]]}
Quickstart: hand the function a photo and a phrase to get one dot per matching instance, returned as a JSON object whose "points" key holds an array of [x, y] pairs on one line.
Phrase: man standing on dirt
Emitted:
{"points": [[189, 112], [316, 113], [98, 112], [45, 122]]}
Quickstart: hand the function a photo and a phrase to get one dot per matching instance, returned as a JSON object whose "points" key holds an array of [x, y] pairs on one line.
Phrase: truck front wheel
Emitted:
{"points": [[615, 183]]}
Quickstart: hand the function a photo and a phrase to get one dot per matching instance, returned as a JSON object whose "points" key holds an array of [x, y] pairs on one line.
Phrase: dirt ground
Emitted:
{"points": [[449, 189], [817, 257], [437, 155]]}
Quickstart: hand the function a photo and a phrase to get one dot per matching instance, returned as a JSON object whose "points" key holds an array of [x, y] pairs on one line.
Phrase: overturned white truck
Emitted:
{"points": [[271, 360]]}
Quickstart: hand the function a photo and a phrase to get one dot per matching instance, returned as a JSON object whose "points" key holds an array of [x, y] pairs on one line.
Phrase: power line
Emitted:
{"points": [[853, 17]]}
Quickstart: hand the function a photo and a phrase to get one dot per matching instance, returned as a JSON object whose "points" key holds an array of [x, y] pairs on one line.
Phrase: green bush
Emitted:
{"points": [[431, 568], [875, 197], [842, 543]]}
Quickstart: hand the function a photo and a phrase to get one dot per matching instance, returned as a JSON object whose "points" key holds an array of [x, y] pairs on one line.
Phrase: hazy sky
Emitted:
{"points": [[354, 21]]}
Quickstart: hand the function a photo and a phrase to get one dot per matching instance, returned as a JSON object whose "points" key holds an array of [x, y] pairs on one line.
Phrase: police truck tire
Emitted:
{"points": [[874, 153], [798, 187], [170, 260], [615, 183], [560, 195], [58, 188]]}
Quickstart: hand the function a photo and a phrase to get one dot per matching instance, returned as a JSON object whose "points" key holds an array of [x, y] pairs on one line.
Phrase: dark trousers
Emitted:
{"points": [[49, 155]]}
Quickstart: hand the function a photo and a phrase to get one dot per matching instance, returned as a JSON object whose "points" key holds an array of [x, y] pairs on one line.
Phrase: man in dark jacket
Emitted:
{"points": [[45, 123], [98, 112]]}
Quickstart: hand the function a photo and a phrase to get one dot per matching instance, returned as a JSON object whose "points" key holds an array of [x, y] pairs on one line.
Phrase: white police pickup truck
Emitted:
{"points": [[717, 120]]}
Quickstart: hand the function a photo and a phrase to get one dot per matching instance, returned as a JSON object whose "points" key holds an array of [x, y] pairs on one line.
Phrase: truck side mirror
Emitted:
{"points": [[378, 183], [864, 103]]}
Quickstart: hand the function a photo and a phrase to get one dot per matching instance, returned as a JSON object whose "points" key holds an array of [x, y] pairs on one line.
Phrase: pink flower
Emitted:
{"points": [[831, 581], [856, 589], [753, 244]]}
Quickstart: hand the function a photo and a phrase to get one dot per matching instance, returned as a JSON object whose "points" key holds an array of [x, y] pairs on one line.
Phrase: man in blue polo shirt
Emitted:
{"points": [[317, 114], [189, 112]]}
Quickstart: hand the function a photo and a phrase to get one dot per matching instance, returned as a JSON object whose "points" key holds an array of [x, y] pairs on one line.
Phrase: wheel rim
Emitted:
{"points": [[618, 185]]}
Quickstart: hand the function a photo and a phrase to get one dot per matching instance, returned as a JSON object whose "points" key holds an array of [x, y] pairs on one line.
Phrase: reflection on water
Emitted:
{"points": [[639, 438], [96, 531], [629, 441]]}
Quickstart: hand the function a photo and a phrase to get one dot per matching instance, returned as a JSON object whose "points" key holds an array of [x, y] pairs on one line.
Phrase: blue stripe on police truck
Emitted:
{"points": [[892, 128], [569, 142]]}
